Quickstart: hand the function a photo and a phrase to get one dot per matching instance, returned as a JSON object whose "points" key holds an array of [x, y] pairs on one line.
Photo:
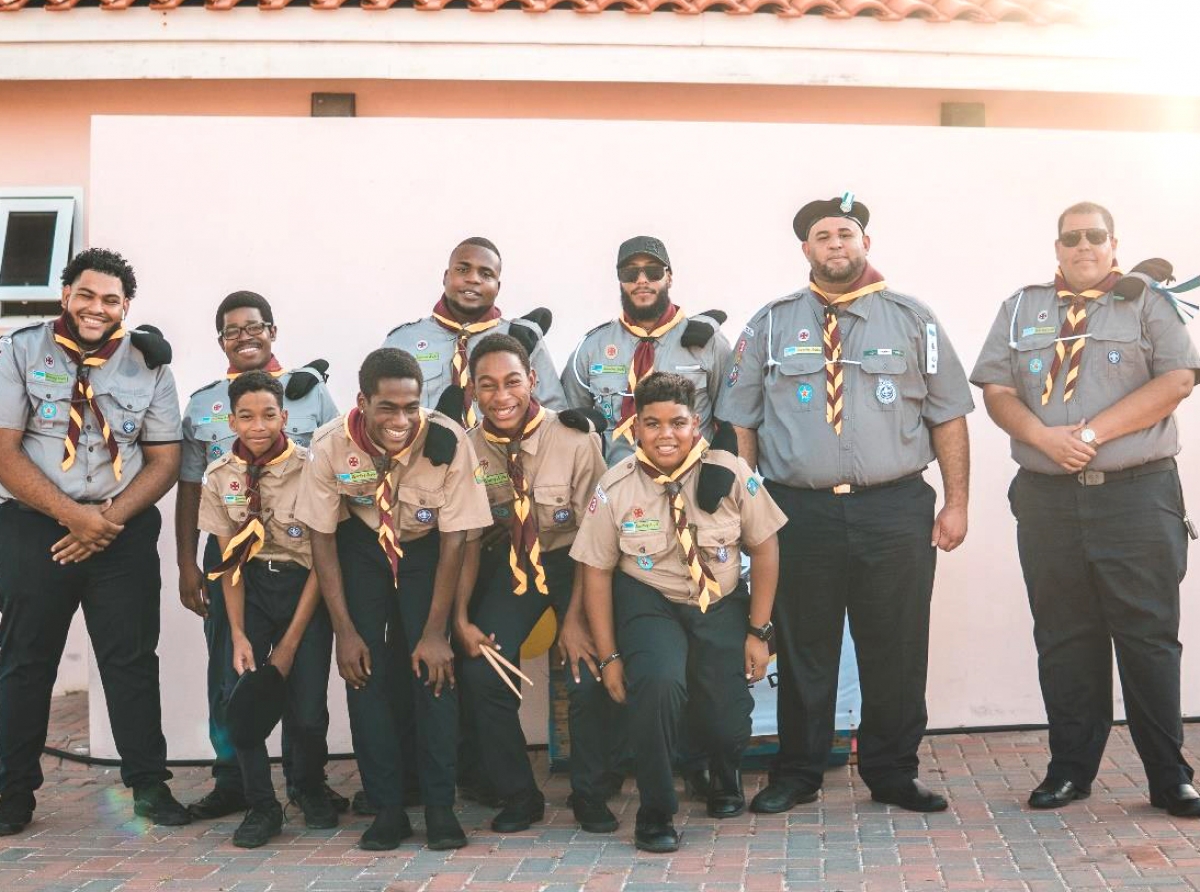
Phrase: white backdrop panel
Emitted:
{"points": [[346, 224]]}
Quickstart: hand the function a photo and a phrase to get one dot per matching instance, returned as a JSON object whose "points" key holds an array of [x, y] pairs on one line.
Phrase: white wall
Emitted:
{"points": [[345, 225]]}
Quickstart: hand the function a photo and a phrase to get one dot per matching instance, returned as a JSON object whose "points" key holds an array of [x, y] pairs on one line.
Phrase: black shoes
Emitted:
{"points": [[219, 802], [261, 824], [155, 803], [781, 796], [1054, 793], [361, 805], [319, 810], [593, 815], [390, 827], [340, 803], [1182, 801], [910, 794], [655, 832], [16, 811], [442, 830], [520, 812], [725, 796]]}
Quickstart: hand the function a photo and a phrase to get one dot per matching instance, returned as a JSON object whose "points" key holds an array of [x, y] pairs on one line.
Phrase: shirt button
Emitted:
{"points": [[91, 449], [89, 480], [642, 549], [49, 396], [559, 500]]}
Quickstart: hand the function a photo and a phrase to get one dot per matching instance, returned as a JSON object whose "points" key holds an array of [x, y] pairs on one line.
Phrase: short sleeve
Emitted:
{"points": [[467, 506], [588, 469], [577, 396], [326, 410], [549, 390], [994, 365], [740, 399], [761, 517], [192, 464], [162, 423], [14, 401], [948, 394], [718, 368], [318, 504], [596, 542], [213, 516], [1172, 345]]}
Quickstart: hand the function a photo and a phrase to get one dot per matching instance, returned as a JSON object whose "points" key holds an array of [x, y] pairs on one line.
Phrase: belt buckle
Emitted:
{"points": [[842, 489], [1091, 478]]}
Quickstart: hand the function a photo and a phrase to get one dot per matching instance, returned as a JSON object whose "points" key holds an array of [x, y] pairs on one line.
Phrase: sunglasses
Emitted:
{"points": [[1094, 236], [253, 329], [629, 274]]}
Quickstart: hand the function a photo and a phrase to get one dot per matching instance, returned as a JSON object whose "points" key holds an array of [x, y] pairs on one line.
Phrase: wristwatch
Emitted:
{"points": [[1087, 435], [763, 633]]}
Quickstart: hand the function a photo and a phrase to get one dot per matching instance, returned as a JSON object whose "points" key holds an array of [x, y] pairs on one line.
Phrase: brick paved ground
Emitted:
{"points": [[85, 839]]}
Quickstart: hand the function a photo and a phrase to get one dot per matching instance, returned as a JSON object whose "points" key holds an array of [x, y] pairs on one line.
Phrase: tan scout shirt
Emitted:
{"points": [[1130, 342], [341, 480], [223, 505], [562, 467], [627, 526], [900, 377]]}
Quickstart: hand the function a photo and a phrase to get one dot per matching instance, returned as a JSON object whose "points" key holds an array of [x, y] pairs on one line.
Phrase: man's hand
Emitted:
{"points": [[471, 638], [69, 550], [1062, 446], [614, 680], [949, 528], [353, 658], [575, 644], [192, 593], [243, 654], [434, 651], [282, 658], [757, 657], [90, 530]]}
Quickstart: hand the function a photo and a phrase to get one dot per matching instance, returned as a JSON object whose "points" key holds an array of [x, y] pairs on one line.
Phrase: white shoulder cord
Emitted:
{"points": [[1012, 327]]}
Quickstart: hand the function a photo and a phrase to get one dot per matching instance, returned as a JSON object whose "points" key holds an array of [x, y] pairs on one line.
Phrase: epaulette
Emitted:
{"points": [[777, 301], [326, 430], [403, 325], [24, 328], [911, 303], [617, 473], [200, 390], [219, 462], [592, 331]]}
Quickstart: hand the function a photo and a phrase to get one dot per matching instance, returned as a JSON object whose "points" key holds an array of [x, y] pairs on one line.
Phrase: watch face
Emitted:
{"points": [[1087, 435]]}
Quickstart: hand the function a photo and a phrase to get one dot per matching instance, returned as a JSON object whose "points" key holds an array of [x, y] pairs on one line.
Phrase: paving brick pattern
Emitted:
{"points": [[84, 838]]}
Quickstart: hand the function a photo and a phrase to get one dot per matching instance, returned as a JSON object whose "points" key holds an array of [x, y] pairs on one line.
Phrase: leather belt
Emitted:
{"points": [[21, 506], [275, 566], [849, 489], [1099, 478]]}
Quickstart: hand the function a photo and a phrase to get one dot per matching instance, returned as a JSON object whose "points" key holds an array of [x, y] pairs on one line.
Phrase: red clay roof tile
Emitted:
{"points": [[1035, 12]]}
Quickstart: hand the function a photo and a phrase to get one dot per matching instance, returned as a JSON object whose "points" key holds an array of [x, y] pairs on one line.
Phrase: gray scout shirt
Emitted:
{"points": [[433, 347], [139, 404], [900, 377], [1129, 342], [598, 374], [206, 433]]}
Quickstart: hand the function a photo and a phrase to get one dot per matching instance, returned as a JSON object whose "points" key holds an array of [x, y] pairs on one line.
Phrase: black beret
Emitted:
{"points": [[255, 706], [845, 206], [642, 244]]}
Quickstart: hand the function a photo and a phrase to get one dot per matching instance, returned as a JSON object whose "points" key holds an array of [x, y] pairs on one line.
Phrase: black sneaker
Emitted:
{"points": [[361, 805], [340, 803], [155, 803], [219, 802], [655, 832], [16, 811], [594, 815], [261, 824], [520, 812], [442, 830], [319, 813], [390, 828]]}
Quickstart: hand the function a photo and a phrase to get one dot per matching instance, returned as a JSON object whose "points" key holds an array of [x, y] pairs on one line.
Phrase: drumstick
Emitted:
{"points": [[488, 655], [503, 662]]}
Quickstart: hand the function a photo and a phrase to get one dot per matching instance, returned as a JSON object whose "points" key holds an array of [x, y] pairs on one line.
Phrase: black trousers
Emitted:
{"points": [[1102, 566], [674, 655], [390, 620], [492, 709], [271, 599], [868, 555], [119, 590]]}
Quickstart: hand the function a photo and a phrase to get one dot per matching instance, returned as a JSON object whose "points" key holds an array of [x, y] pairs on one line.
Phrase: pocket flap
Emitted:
{"points": [[713, 537], [644, 543], [884, 364], [556, 495], [130, 400], [419, 497], [802, 364]]}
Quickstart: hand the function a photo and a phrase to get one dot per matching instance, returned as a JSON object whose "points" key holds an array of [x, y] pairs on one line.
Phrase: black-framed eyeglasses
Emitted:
{"points": [[1094, 236], [252, 329], [654, 273]]}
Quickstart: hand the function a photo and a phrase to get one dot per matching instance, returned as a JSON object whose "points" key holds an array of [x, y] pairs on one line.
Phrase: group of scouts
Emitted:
{"points": [[419, 538]]}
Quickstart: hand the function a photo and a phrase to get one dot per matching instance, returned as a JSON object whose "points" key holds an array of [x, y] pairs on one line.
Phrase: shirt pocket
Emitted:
{"points": [[884, 380], [646, 549], [301, 427], [50, 405], [125, 411], [285, 529], [607, 391], [1034, 357], [418, 508], [720, 544], [1116, 342], [800, 383], [553, 508]]}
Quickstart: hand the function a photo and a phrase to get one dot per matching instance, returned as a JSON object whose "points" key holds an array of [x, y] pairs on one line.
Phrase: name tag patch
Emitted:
{"points": [[1037, 330], [428, 357], [363, 476], [883, 351], [495, 479], [599, 368], [235, 499], [215, 419], [640, 526], [49, 377], [795, 351]]}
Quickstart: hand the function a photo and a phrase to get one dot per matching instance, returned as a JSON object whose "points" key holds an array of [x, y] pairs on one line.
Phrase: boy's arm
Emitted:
{"points": [[470, 636], [284, 653], [597, 601], [434, 647], [235, 610]]}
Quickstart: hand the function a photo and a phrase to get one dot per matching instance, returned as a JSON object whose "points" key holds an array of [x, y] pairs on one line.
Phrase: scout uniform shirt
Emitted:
{"points": [[340, 480], [562, 467], [433, 347], [627, 526], [36, 382], [223, 505], [1129, 342], [901, 377], [598, 373], [206, 433]]}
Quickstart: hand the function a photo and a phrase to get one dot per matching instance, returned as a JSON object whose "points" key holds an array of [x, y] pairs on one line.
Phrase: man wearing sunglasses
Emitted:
{"points": [[844, 392], [1084, 373], [246, 334]]}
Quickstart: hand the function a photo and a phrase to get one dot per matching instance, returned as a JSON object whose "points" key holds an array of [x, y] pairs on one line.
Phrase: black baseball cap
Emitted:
{"points": [[255, 706], [642, 244]]}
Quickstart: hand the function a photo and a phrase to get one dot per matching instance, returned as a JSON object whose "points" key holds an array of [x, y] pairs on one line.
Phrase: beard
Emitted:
{"points": [[852, 271], [69, 321], [650, 313]]}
